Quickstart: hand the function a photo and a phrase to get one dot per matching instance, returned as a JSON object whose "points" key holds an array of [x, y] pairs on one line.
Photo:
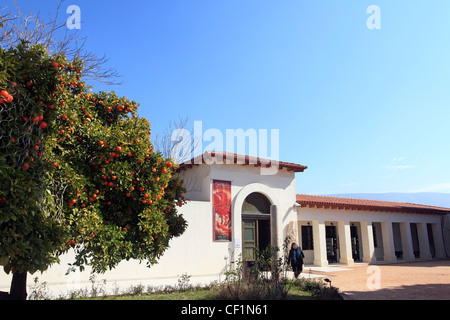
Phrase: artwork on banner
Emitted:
{"points": [[222, 210]]}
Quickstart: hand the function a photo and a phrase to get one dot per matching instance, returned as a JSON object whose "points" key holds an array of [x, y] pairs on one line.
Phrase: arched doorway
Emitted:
{"points": [[255, 225]]}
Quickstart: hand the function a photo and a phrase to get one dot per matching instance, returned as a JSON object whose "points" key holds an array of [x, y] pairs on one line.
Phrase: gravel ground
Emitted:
{"points": [[424, 280]]}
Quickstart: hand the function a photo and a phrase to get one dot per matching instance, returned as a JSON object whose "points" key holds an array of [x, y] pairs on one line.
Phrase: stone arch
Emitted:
{"points": [[237, 206]]}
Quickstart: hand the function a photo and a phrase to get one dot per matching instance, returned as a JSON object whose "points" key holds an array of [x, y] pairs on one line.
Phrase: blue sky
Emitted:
{"points": [[365, 110]]}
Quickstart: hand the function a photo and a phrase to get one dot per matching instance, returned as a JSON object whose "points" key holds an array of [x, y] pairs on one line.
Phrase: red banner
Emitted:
{"points": [[222, 210]]}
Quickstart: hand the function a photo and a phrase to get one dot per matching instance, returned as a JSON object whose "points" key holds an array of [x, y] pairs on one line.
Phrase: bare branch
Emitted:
{"points": [[56, 37], [173, 136]]}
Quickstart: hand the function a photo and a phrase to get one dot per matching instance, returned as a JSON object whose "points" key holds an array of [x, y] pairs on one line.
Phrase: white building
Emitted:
{"points": [[348, 230], [237, 204]]}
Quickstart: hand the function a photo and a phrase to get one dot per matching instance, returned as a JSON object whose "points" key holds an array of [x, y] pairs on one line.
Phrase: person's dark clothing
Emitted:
{"points": [[296, 259]]}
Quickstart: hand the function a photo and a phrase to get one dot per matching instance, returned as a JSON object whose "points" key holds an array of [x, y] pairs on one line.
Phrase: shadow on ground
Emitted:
{"points": [[412, 292]]}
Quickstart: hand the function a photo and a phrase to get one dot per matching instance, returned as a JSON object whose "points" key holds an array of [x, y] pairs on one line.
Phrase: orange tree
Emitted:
{"points": [[77, 172]]}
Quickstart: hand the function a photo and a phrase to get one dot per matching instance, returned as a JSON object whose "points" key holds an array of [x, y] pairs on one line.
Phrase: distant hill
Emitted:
{"points": [[427, 198]]}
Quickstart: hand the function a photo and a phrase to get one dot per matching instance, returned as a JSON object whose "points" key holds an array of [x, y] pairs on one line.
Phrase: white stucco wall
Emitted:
{"points": [[327, 216], [359, 215], [194, 253], [279, 189]]}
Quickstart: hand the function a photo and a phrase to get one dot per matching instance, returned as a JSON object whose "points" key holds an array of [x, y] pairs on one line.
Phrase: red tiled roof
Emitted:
{"points": [[233, 158], [368, 205]]}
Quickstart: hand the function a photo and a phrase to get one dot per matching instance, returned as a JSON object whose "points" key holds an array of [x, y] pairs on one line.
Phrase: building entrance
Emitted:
{"points": [[255, 225], [355, 243], [331, 240]]}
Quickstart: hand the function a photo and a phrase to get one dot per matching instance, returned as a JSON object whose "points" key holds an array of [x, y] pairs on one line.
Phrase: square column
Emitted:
{"points": [[367, 242], [320, 246], [438, 240], [388, 242], [274, 236], [345, 244], [424, 244], [407, 246]]}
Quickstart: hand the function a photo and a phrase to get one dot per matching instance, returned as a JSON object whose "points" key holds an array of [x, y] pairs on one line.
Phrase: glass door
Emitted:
{"points": [[331, 241], [355, 242], [250, 239]]}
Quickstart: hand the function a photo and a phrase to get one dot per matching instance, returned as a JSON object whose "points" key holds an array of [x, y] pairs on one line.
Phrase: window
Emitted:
{"points": [[307, 238], [256, 203]]}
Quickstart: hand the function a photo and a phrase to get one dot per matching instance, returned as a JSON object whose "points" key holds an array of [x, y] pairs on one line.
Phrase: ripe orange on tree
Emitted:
{"points": [[83, 168]]}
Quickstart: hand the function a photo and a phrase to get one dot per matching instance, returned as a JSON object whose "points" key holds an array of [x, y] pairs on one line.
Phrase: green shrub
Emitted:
{"points": [[266, 278]]}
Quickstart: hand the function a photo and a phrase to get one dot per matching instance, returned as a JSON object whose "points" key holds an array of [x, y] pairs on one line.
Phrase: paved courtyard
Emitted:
{"points": [[422, 280]]}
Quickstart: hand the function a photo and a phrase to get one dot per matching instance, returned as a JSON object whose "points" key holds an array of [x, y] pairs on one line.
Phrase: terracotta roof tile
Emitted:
{"points": [[233, 158], [369, 205]]}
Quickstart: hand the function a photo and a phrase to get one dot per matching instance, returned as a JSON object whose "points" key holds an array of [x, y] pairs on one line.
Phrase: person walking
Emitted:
{"points": [[296, 259]]}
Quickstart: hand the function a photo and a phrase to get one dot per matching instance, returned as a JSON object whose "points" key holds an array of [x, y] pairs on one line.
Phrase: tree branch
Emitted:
{"points": [[56, 37]]}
